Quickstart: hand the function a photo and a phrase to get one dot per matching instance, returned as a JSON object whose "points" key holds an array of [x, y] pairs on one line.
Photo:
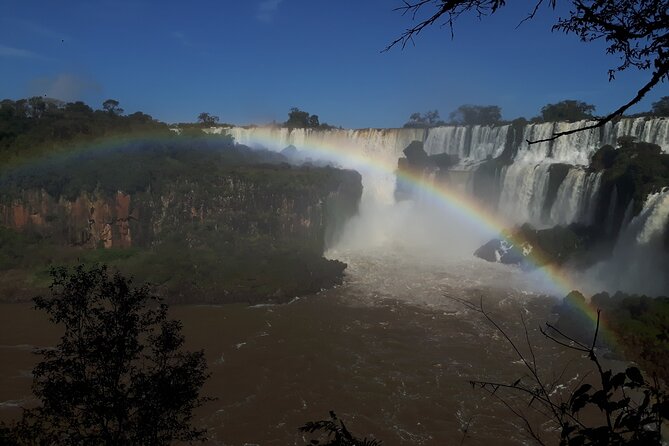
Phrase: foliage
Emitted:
{"points": [[135, 166], [241, 252], [298, 119], [425, 120], [119, 374], [207, 120], [634, 31], [634, 170], [111, 106], [336, 433], [31, 128], [568, 110], [661, 107], [641, 323], [476, 115], [631, 408]]}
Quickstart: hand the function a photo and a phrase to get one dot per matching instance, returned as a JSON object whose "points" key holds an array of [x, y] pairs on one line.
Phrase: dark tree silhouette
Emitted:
{"points": [[632, 408], [207, 119], [335, 433], [424, 120], [476, 115], [661, 107], [635, 31], [111, 106], [568, 110], [119, 375]]}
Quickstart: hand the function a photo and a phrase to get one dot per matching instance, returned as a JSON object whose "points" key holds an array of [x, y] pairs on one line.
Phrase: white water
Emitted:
{"points": [[428, 227], [576, 197], [639, 263], [475, 143], [524, 187]]}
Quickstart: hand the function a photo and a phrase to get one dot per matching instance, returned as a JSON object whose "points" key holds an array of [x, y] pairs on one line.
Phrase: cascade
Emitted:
{"points": [[576, 198], [523, 184], [524, 187], [475, 143], [639, 262]]}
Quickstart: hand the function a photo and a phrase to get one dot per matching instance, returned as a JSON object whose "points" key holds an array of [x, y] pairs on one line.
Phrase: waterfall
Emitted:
{"points": [[576, 198], [450, 139], [640, 263], [475, 143], [524, 188], [655, 130], [523, 184]]}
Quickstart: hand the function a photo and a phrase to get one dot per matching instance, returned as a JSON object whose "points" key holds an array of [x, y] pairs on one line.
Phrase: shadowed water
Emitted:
{"points": [[387, 350]]}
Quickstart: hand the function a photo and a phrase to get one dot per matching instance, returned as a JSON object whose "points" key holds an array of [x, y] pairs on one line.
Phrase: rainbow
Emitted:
{"points": [[349, 155], [462, 205]]}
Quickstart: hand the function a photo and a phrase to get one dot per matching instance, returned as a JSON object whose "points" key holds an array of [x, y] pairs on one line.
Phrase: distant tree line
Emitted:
{"points": [[301, 119], [569, 110], [31, 126]]}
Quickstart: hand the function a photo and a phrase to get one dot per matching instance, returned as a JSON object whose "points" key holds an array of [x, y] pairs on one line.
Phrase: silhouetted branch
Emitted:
{"points": [[662, 71]]}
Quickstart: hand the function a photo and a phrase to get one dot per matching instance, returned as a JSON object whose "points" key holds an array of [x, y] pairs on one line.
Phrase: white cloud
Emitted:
{"points": [[8, 51], [66, 87], [267, 9]]}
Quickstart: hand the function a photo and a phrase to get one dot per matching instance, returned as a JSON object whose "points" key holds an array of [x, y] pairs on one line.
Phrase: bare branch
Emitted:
{"points": [[658, 76]]}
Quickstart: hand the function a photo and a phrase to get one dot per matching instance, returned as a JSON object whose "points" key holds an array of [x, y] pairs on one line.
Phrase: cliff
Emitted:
{"points": [[280, 202], [211, 230]]}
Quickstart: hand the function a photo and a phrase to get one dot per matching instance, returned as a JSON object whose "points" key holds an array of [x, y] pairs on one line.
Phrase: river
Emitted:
{"points": [[388, 350]]}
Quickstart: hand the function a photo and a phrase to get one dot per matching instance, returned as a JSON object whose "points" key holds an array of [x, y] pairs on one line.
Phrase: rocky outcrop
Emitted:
{"points": [[89, 220], [531, 248], [200, 224], [252, 202]]}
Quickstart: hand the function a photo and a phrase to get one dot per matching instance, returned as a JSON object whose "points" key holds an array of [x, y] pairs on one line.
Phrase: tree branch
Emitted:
{"points": [[661, 72]]}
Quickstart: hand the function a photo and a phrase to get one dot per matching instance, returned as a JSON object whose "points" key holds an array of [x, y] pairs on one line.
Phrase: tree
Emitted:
{"points": [[568, 110], [635, 31], [313, 121], [661, 107], [632, 407], [297, 118], [476, 115], [206, 119], [119, 374], [111, 107], [428, 119]]}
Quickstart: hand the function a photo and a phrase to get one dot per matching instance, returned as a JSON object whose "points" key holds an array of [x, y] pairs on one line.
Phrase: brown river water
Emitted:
{"points": [[388, 351]]}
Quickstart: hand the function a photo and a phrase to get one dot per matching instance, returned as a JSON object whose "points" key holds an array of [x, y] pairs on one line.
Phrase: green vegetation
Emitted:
{"points": [[661, 107], [207, 120], [209, 220], [639, 325], [36, 127], [298, 119], [633, 171], [425, 120], [568, 110], [245, 243], [119, 374], [476, 115], [635, 33]]}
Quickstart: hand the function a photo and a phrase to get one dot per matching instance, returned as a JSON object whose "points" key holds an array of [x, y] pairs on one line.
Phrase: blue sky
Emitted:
{"points": [[251, 60]]}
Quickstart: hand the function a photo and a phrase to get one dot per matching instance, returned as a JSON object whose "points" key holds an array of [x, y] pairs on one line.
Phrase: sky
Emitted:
{"points": [[250, 61]]}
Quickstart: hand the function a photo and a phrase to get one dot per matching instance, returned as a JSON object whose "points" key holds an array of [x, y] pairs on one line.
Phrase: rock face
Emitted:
{"points": [[89, 221], [529, 247], [246, 203], [199, 229]]}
